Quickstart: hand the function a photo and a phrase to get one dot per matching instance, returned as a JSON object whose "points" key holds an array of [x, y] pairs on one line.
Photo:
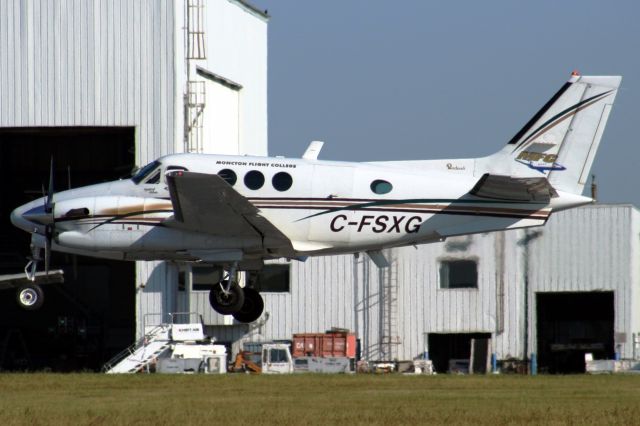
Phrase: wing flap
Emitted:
{"points": [[206, 203], [497, 187]]}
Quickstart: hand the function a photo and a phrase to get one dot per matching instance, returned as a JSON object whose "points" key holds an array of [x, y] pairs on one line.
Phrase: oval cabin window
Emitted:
{"points": [[282, 181], [254, 179], [380, 186], [229, 176]]}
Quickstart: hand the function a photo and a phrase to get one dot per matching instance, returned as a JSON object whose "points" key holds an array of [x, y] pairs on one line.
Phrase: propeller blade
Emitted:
{"points": [[49, 200], [47, 253], [49, 228]]}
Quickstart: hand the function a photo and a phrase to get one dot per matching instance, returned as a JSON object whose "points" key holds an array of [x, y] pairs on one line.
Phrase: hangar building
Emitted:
{"points": [[106, 86], [103, 86], [557, 292]]}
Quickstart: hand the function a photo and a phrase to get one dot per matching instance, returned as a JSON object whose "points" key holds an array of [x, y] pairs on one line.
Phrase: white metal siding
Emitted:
{"points": [[236, 44], [587, 249], [121, 63], [90, 63]]}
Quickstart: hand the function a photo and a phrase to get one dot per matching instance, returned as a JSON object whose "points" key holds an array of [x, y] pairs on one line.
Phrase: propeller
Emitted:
{"points": [[50, 225], [44, 217]]}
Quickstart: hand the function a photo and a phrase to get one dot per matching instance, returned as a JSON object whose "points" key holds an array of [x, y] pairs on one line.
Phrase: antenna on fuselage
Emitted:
{"points": [[313, 150]]}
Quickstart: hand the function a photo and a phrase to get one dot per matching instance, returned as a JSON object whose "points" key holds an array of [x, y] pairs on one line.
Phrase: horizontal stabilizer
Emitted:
{"points": [[509, 188]]}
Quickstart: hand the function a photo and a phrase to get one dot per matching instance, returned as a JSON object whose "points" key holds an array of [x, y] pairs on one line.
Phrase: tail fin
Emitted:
{"points": [[561, 140]]}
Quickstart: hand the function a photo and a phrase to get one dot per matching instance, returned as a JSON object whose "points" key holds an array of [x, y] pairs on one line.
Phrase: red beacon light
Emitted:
{"points": [[575, 73]]}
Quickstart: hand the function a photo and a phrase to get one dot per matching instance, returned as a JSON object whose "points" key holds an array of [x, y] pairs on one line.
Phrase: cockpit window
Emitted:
{"points": [[155, 178], [145, 171]]}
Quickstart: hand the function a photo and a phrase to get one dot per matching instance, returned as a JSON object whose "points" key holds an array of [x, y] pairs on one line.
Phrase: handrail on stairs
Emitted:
{"points": [[131, 349]]}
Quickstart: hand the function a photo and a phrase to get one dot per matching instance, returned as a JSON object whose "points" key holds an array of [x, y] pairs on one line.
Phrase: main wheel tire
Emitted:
{"points": [[251, 308], [30, 297], [226, 303]]}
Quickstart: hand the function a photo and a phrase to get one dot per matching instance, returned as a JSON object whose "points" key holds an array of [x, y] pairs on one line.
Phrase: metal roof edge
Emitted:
{"points": [[604, 205], [203, 72], [262, 14]]}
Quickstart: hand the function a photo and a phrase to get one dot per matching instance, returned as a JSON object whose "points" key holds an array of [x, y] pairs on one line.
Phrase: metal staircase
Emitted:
{"points": [[139, 355]]}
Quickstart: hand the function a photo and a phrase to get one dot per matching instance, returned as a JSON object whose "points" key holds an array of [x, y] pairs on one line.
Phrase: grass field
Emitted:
{"points": [[317, 399]]}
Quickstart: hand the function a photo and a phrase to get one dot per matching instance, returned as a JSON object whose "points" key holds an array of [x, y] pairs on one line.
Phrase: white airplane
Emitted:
{"points": [[238, 211]]}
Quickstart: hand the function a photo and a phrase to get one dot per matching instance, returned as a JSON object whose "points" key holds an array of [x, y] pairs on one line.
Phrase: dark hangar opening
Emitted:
{"points": [[451, 352], [91, 316], [572, 324]]}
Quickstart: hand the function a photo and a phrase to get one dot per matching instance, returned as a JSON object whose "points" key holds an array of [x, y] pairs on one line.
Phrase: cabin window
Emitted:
{"points": [[229, 176], [254, 180], [282, 181], [459, 274], [273, 278], [145, 171], [380, 186]]}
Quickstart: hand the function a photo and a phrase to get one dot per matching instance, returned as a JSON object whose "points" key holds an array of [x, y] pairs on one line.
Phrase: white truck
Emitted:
{"points": [[265, 358]]}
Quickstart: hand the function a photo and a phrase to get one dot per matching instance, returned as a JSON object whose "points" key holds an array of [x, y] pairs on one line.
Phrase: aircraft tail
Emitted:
{"points": [[561, 140]]}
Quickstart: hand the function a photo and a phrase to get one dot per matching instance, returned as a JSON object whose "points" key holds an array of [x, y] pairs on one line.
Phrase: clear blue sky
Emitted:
{"points": [[419, 79]]}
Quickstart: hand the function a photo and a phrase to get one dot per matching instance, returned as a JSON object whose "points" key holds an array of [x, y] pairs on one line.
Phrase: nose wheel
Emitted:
{"points": [[30, 297]]}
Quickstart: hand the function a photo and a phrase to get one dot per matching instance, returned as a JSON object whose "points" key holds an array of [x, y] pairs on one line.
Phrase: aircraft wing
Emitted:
{"points": [[16, 280], [497, 187], [206, 203]]}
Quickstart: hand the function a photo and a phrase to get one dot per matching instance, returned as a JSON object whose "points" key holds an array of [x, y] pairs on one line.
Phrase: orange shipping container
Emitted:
{"points": [[324, 345]]}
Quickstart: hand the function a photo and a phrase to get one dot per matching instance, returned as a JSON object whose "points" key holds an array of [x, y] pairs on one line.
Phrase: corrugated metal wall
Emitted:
{"points": [[586, 249], [90, 63], [96, 63], [589, 249]]}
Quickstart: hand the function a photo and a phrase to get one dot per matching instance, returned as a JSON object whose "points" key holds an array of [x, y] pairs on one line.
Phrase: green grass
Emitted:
{"points": [[317, 399]]}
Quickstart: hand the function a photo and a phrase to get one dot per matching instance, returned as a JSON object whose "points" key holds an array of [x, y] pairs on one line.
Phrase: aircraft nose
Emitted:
{"points": [[30, 217]]}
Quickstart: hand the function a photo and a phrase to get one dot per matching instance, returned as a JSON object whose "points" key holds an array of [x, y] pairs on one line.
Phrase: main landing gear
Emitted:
{"points": [[228, 298]]}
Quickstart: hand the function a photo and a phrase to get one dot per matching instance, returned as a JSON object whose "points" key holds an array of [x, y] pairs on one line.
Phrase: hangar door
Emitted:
{"points": [[452, 352], [572, 324], [89, 317]]}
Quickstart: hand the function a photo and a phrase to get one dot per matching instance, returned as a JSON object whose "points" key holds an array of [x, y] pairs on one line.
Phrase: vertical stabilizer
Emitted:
{"points": [[561, 140]]}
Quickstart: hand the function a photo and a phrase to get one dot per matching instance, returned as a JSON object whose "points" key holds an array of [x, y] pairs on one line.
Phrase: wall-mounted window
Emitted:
{"points": [[380, 186], [274, 279], [459, 274], [282, 181], [254, 179], [229, 176]]}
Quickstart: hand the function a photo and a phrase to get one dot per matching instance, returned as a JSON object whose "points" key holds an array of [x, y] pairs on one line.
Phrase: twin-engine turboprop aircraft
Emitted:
{"points": [[238, 211]]}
